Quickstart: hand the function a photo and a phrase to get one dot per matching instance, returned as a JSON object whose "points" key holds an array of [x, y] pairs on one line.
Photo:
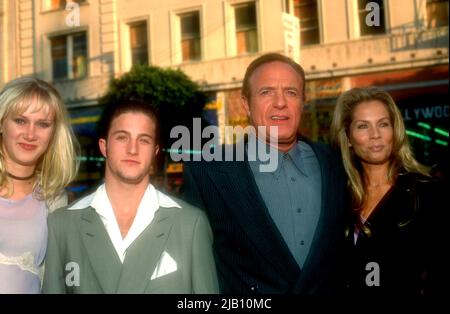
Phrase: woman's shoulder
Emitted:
{"points": [[60, 201], [415, 179], [429, 190]]}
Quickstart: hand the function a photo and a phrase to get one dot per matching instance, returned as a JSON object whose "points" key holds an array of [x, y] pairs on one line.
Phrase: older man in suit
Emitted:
{"points": [[278, 231], [127, 237]]}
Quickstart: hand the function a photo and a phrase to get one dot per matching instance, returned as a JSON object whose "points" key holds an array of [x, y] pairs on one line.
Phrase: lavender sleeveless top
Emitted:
{"points": [[23, 241]]}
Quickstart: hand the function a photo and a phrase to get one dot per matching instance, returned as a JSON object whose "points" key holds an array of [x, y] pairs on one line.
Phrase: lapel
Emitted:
{"points": [[100, 250], [144, 253], [241, 194]]}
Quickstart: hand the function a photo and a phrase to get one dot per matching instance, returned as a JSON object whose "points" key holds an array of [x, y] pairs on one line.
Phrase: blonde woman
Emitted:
{"points": [[394, 236], [37, 161]]}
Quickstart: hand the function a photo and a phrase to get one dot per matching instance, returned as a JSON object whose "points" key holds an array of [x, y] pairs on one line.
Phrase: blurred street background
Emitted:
{"points": [[189, 58]]}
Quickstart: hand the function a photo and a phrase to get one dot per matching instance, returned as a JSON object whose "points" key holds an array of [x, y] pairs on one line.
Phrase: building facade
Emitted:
{"points": [[399, 45]]}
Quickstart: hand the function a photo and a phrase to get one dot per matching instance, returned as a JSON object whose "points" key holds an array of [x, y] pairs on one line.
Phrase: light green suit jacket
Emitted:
{"points": [[172, 255]]}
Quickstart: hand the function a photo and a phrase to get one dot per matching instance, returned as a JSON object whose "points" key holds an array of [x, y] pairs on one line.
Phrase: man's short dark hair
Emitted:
{"points": [[112, 111], [268, 58]]}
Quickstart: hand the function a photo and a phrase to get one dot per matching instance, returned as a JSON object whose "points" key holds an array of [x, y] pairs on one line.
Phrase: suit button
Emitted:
{"points": [[254, 288]]}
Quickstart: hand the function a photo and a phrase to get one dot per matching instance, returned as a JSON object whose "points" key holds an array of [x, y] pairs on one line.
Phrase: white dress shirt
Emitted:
{"points": [[150, 203]]}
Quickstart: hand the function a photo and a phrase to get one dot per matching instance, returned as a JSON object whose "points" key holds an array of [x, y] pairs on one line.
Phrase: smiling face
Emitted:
{"points": [[26, 136], [130, 148], [276, 100], [371, 133]]}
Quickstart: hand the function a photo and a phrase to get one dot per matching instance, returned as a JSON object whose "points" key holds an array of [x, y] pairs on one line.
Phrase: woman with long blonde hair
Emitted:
{"points": [[393, 236], [37, 161]]}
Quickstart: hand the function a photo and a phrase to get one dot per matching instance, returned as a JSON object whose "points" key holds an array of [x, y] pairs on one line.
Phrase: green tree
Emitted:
{"points": [[176, 96]]}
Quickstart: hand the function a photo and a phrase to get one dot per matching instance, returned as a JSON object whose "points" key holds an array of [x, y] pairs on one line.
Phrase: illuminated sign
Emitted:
{"points": [[426, 112]]}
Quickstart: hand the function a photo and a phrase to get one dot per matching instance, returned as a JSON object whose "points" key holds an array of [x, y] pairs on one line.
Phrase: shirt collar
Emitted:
{"points": [[100, 197], [149, 205], [294, 155]]}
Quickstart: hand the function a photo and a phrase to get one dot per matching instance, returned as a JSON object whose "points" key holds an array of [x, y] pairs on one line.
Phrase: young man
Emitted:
{"points": [[127, 237], [280, 231]]}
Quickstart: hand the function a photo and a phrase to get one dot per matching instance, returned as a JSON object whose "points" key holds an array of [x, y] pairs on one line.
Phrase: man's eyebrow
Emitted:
{"points": [[274, 87], [128, 133], [120, 131], [145, 134], [266, 87]]}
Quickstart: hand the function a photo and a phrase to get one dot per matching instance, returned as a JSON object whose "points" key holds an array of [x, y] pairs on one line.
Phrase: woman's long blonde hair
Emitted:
{"points": [[58, 166], [402, 156]]}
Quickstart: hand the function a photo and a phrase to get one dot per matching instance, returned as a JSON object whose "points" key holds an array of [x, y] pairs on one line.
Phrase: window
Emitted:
{"points": [[190, 36], [138, 43], [59, 4], [69, 56], [306, 11], [287, 7], [246, 30], [376, 17], [437, 13]]}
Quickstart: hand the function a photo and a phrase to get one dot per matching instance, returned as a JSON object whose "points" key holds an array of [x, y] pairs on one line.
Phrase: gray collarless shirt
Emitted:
{"points": [[292, 194]]}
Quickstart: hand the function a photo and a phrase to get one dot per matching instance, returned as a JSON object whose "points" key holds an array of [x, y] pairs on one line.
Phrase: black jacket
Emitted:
{"points": [[406, 241], [250, 253]]}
